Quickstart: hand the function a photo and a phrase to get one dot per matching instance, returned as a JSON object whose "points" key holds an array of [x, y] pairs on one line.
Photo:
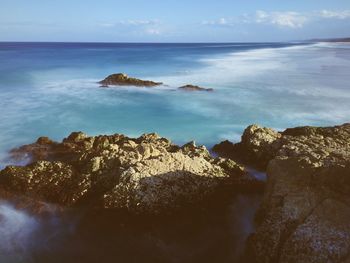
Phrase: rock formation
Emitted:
{"points": [[305, 213], [121, 79], [194, 88], [148, 174]]}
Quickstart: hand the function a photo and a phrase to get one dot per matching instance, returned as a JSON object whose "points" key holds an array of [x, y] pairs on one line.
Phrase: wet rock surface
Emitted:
{"points": [[148, 174], [121, 79], [305, 213]]}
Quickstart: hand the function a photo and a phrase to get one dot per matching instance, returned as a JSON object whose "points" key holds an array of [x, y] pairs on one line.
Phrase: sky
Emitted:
{"points": [[173, 20]]}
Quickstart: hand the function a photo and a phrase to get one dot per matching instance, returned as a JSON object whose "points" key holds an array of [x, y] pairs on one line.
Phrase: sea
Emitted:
{"points": [[51, 89]]}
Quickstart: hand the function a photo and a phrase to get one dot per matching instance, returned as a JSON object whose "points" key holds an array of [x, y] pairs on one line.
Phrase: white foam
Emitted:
{"points": [[16, 228]]}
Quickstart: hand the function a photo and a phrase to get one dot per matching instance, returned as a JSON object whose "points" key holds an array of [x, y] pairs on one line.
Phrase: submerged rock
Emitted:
{"points": [[121, 79], [148, 174], [194, 88], [305, 213]]}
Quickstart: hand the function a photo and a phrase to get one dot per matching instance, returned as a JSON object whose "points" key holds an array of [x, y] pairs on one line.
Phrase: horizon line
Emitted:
{"points": [[178, 42], [134, 42]]}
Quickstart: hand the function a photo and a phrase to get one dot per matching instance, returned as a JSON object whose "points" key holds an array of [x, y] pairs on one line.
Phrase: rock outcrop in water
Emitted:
{"points": [[194, 88], [148, 174], [305, 213], [121, 79]]}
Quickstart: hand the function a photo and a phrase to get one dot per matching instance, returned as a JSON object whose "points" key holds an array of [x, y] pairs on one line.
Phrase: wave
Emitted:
{"points": [[345, 45], [233, 66]]}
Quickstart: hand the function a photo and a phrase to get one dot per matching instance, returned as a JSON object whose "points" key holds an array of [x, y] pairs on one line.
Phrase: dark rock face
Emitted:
{"points": [[30, 205], [305, 213], [148, 174], [121, 79], [194, 88]]}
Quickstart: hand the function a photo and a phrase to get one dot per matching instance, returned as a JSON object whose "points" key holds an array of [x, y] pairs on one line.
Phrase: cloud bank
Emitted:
{"points": [[282, 19]]}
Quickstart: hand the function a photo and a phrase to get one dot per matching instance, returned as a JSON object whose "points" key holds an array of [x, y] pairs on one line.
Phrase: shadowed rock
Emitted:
{"points": [[148, 174], [194, 88], [304, 216], [121, 79]]}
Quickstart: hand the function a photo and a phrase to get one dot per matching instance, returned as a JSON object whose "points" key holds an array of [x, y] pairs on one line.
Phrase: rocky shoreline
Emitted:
{"points": [[304, 216], [305, 213], [148, 174]]}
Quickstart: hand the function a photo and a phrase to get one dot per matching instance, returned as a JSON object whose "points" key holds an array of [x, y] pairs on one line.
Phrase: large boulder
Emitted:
{"points": [[305, 213], [148, 174], [121, 79]]}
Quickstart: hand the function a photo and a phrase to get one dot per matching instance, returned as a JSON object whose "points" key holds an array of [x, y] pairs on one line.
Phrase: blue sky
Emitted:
{"points": [[173, 21]]}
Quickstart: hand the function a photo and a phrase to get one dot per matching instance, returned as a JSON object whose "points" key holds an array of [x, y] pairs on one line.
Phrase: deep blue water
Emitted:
{"points": [[50, 89]]}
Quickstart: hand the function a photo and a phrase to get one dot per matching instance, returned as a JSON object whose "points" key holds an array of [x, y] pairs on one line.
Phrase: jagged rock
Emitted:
{"points": [[258, 145], [54, 182], [305, 213], [192, 150], [194, 88], [121, 79], [148, 174]]}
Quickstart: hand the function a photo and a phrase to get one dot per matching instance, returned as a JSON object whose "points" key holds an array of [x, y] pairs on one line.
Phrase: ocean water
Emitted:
{"points": [[50, 89]]}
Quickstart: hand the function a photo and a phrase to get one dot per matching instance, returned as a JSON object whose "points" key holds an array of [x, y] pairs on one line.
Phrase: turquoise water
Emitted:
{"points": [[50, 89]]}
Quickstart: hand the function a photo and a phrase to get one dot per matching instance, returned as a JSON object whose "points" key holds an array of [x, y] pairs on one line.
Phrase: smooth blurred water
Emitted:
{"points": [[50, 89]]}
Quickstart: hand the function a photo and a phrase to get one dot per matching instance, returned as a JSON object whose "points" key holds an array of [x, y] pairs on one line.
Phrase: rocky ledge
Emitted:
{"points": [[194, 88], [148, 174], [305, 213], [121, 79]]}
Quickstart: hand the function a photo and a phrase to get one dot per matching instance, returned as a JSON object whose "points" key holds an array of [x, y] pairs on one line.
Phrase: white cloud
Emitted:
{"points": [[220, 22], [135, 23], [285, 19], [282, 19], [139, 22], [334, 14]]}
